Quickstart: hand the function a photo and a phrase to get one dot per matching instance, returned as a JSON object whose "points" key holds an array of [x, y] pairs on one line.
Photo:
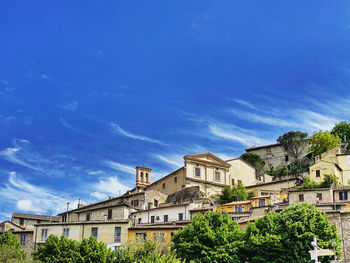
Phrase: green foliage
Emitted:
{"points": [[323, 141], [255, 160], [11, 255], [63, 250], [287, 236], [294, 142], [294, 169], [95, 252], [213, 237], [235, 193], [10, 246], [329, 181], [144, 251], [342, 130], [309, 184]]}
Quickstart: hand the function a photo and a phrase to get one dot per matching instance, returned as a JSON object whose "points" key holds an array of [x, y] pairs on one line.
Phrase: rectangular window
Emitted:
{"points": [[155, 203], [38, 221], [163, 185], [301, 198], [198, 171], [319, 196], [21, 221], [88, 215], [141, 236], [318, 173], [233, 181], [66, 232], [165, 218], [262, 202], [64, 218], [117, 234], [152, 219], [139, 220], [217, 176], [286, 158], [159, 237], [135, 202], [43, 234], [109, 214], [181, 216], [94, 232], [175, 179], [343, 195], [23, 239], [239, 181]]}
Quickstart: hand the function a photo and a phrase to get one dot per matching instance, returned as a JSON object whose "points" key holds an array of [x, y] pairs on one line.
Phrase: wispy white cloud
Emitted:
{"points": [[23, 154], [234, 133], [71, 106], [117, 130], [174, 160], [30, 198], [119, 166], [65, 124], [110, 186], [97, 172], [245, 103]]}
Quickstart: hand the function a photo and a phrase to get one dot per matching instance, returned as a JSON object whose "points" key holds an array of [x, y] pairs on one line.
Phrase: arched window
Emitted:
{"points": [[141, 176], [146, 177]]}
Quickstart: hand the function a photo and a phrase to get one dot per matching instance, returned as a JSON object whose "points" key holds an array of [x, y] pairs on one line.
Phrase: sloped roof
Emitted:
{"points": [[35, 217], [207, 154]]}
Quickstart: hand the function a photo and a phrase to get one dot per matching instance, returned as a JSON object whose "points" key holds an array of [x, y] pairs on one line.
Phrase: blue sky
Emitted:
{"points": [[91, 89]]}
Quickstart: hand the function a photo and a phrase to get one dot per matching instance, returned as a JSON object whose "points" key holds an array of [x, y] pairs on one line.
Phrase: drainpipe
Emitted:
{"points": [[36, 231]]}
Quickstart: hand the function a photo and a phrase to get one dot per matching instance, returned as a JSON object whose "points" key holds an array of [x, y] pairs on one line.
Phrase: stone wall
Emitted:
{"points": [[310, 196]]}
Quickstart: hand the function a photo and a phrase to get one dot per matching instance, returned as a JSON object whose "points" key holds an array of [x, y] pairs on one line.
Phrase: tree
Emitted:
{"points": [[213, 237], [10, 246], [235, 193], [342, 130], [140, 251], [63, 250], [294, 142], [323, 141], [309, 184], [287, 236], [255, 160], [329, 180]]}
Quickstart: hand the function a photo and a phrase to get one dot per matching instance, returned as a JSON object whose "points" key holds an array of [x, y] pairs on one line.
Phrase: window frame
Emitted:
{"points": [[165, 218], [66, 232], [197, 171], [23, 239], [109, 214], [118, 238], [318, 173], [217, 175], [181, 216], [44, 234], [94, 230]]}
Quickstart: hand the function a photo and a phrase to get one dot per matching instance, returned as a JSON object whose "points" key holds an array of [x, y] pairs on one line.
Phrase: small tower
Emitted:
{"points": [[143, 176]]}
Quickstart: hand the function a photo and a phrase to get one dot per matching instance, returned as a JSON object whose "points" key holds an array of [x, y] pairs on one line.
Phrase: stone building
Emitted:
{"points": [[335, 162], [22, 226], [274, 155]]}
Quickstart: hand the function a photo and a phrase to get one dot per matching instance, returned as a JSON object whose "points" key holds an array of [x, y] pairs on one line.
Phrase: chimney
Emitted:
{"points": [[143, 176], [68, 206], [80, 205]]}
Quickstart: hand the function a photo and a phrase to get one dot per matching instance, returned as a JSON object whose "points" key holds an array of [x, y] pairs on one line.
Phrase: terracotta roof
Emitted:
{"points": [[85, 222], [36, 217], [8, 221], [162, 225], [306, 190], [236, 203]]}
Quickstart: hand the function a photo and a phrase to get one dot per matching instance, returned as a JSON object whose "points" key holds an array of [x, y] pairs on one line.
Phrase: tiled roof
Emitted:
{"points": [[262, 146], [86, 222], [36, 217]]}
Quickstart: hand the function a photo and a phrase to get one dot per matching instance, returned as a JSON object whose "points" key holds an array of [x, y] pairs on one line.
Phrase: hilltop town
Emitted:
{"points": [[155, 210]]}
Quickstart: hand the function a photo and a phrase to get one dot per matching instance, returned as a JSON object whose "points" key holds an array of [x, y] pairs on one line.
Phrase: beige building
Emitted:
{"points": [[335, 162], [208, 172]]}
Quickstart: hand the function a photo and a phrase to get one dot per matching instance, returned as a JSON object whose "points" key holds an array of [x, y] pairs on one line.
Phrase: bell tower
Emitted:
{"points": [[143, 176]]}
